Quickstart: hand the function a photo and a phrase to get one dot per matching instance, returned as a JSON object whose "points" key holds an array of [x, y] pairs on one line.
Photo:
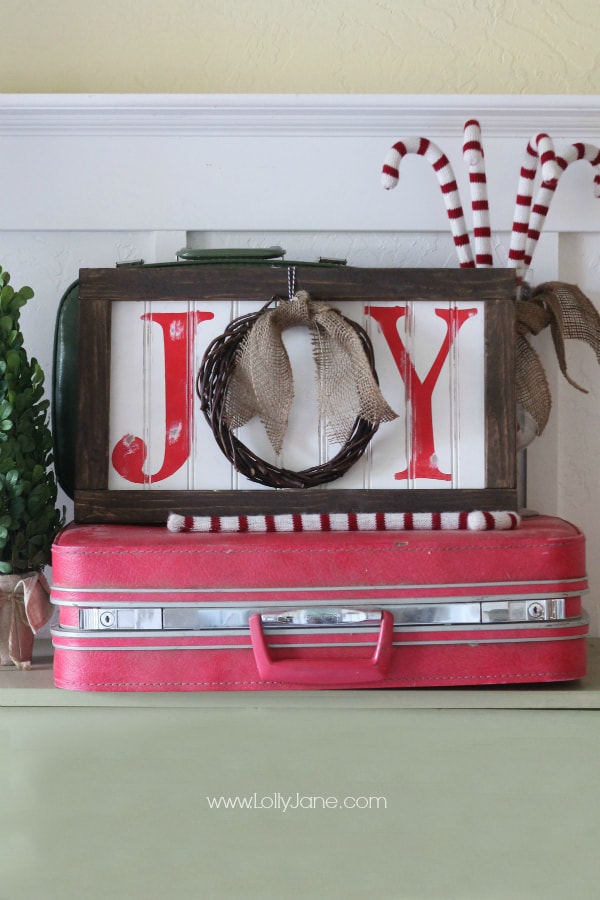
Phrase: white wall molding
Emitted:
{"points": [[268, 162], [563, 116]]}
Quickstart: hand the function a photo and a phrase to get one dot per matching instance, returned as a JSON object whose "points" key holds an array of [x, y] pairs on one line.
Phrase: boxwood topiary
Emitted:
{"points": [[29, 518]]}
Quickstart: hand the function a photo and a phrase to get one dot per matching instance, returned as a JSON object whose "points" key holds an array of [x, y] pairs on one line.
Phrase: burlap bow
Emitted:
{"points": [[24, 609], [570, 315], [262, 383]]}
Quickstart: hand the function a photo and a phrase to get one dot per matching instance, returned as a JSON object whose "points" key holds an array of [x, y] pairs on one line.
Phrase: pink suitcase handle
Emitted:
{"points": [[324, 672]]}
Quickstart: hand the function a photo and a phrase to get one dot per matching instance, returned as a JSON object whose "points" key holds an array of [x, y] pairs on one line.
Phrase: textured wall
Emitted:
{"points": [[306, 46]]}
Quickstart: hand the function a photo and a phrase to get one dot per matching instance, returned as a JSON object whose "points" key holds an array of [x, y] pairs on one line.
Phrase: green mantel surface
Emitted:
{"points": [[479, 794], [35, 688]]}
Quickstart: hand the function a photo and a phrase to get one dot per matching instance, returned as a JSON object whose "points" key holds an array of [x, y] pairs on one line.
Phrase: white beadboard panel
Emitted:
{"points": [[159, 439]]}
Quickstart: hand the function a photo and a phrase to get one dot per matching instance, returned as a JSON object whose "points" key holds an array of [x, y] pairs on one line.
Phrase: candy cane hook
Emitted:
{"points": [[445, 174], [474, 158], [540, 149], [547, 189]]}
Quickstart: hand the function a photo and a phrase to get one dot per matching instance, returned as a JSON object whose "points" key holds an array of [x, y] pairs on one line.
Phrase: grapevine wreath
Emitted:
{"points": [[246, 372]]}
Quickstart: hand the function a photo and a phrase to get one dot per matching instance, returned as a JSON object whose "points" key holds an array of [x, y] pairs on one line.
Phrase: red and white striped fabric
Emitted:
{"points": [[445, 174], [540, 149], [444, 521], [547, 189], [474, 158]]}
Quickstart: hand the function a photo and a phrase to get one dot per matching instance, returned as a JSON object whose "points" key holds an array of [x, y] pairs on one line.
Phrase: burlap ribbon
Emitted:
{"points": [[262, 383], [570, 315], [24, 608]]}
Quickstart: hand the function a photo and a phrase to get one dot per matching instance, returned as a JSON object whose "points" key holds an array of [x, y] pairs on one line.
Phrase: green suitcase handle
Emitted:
{"points": [[231, 254]]}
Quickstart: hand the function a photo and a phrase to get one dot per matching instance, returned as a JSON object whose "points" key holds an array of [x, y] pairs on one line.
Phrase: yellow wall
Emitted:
{"points": [[300, 46]]}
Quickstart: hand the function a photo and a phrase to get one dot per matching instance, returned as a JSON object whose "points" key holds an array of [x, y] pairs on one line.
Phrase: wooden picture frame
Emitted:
{"points": [[102, 291]]}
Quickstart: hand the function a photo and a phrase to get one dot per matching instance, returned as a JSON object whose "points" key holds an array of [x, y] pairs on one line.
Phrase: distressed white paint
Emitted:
{"points": [[138, 408]]}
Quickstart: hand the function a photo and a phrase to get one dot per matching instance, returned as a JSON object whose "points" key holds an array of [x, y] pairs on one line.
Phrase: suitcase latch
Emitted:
{"points": [[546, 610]]}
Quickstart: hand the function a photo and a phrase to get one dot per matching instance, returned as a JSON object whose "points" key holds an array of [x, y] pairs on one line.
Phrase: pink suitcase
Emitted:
{"points": [[143, 609]]}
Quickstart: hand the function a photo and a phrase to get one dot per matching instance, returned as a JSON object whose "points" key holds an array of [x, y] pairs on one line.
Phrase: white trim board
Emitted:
{"points": [[506, 115], [264, 162]]}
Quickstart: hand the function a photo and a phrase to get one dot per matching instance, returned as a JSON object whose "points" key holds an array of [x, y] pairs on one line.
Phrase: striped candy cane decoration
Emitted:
{"points": [[547, 189], [540, 149], [445, 174], [444, 521], [474, 158]]}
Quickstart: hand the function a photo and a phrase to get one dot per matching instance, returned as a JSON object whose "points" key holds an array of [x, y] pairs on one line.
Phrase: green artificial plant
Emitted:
{"points": [[29, 519]]}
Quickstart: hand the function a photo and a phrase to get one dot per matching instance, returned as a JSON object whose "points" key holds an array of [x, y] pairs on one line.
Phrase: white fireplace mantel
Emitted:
{"points": [[94, 161], [86, 180]]}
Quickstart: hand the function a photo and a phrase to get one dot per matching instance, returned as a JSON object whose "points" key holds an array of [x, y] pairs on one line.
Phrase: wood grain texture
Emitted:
{"points": [[251, 281], [92, 445], [500, 397], [148, 507]]}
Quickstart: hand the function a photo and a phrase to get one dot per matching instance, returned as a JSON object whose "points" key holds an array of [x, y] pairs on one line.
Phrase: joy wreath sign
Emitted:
{"points": [[246, 372], [367, 389]]}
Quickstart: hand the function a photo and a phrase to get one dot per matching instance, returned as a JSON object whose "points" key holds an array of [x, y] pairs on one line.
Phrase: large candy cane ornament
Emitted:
{"points": [[547, 189], [540, 149], [473, 156], [445, 174]]}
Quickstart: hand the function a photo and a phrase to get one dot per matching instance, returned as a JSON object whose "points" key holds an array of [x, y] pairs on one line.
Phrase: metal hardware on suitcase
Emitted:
{"points": [[143, 609]]}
